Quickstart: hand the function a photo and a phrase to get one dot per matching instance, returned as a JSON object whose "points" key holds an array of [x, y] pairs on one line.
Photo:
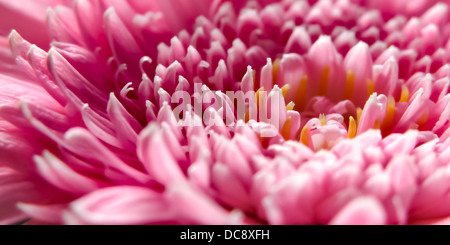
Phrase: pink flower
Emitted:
{"points": [[225, 112]]}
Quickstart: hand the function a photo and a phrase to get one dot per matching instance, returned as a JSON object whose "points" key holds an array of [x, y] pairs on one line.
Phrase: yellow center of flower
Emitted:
{"points": [[258, 95], [290, 106], [275, 66], [286, 130], [304, 136], [300, 99], [349, 86], [299, 103], [285, 89], [324, 81], [358, 114], [390, 115], [323, 119], [405, 94], [351, 127], [377, 124], [370, 87]]}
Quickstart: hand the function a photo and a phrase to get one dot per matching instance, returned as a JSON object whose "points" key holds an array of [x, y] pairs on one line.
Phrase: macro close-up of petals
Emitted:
{"points": [[224, 112]]}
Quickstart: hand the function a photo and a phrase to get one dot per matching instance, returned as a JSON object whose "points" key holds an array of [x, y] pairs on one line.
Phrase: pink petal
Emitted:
{"points": [[47, 213], [156, 156], [13, 188], [361, 211], [193, 207], [62, 176], [359, 61], [126, 205], [28, 17]]}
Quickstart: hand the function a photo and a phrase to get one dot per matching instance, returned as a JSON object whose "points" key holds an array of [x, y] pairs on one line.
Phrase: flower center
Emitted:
{"points": [[318, 105]]}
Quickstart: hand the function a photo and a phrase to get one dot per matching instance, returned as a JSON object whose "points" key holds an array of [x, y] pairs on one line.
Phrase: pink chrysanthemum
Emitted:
{"points": [[225, 112]]}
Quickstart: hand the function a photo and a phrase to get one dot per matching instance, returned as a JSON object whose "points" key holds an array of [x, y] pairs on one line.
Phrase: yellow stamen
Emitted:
{"points": [[246, 117], [275, 66], [390, 113], [358, 115], [349, 85], [300, 98], [370, 87], [377, 124], [286, 130], [304, 136], [290, 106], [285, 89], [351, 128], [405, 94], [324, 81], [323, 119], [258, 95]]}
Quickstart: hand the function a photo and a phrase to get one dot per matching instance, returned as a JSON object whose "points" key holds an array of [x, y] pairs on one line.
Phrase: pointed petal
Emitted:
{"points": [[62, 176], [156, 156], [125, 205]]}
